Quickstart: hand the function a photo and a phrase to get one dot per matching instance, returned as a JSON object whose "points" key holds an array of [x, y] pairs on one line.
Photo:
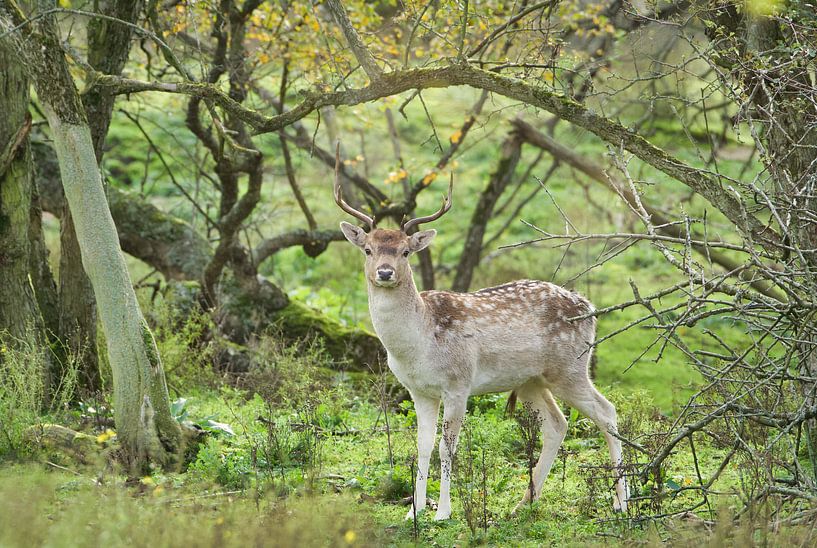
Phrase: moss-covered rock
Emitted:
{"points": [[361, 349]]}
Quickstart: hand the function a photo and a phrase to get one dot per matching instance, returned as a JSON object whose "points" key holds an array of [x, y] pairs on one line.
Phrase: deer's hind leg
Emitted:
{"points": [[538, 400], [589, 401]]}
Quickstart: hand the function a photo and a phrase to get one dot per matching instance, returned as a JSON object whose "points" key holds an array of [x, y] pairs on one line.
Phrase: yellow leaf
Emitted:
{"points": [[350, 537], [456, 136], [428, 179]]}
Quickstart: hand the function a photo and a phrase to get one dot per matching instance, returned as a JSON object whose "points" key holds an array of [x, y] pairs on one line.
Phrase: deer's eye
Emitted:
{"points": [[368, 251], [406, 253]]}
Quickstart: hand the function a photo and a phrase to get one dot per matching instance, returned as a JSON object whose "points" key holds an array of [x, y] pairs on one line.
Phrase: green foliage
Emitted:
{"points": [[224, 464], [26, 397], [395, 484], [185, 342]]}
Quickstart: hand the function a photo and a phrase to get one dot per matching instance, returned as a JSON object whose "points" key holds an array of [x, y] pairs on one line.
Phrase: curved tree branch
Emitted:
{"points": [[711, 186]]}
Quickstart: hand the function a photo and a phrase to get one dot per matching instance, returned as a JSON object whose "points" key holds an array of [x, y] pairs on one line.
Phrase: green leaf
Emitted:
{"points": [[215, 426], [177, 409]]}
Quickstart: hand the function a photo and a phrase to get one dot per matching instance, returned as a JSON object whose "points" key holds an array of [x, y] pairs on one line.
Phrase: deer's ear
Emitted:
{"points": [[353, 233], [421, 240]]}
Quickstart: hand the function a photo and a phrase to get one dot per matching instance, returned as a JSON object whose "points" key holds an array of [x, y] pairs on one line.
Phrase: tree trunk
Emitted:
{"points": [[18, 308], [145, 427], [500, 178], [42, 279], [108, 48], [77, 307]]}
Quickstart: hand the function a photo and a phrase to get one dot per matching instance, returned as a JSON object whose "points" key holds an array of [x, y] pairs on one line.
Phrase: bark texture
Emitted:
{"points": [[18, 306], [108, 48]]}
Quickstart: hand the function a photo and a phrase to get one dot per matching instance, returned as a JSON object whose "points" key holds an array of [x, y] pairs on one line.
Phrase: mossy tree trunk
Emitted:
{"points": [[18, 307], [108, 48], [145, 428]]}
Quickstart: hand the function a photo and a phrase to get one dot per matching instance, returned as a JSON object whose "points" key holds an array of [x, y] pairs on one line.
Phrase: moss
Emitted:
{"points": [[248, 314], [359, 347], [64, 441], [150, 346]]}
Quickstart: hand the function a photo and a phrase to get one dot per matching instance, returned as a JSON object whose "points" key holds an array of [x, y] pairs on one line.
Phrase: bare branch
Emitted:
{"points": [[433, 217], [339, 199], [677, 234], [313, 241]]}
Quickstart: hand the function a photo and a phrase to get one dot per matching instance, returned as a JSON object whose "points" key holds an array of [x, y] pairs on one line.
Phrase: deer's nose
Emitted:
{"points": [[385, 274]]}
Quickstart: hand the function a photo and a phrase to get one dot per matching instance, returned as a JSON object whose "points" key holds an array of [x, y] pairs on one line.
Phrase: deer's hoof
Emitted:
{"points": [[442, 515]]}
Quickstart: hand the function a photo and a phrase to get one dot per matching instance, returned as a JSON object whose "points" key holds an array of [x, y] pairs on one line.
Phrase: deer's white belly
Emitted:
{"points": [[508, 369], [415, 377]]}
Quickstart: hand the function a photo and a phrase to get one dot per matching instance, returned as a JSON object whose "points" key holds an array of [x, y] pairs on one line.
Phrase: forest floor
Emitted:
{"points": [[300, 455]]}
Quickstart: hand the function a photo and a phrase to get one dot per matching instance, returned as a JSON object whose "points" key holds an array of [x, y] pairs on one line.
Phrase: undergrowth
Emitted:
{"points": [[29, 394]]}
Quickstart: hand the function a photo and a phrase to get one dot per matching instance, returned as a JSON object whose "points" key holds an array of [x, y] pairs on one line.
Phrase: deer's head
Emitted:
{"points": [[387, 251]]}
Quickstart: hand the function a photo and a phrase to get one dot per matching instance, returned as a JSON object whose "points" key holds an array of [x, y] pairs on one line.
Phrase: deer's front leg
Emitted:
{"points": [[453, 415], [427, 410]]}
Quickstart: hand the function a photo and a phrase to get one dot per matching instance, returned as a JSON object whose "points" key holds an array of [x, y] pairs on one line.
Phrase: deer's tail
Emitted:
{"points": [[510, 406]]}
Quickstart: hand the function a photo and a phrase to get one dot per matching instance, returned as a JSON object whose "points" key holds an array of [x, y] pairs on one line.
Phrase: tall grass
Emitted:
{"points": [[29, 391]]}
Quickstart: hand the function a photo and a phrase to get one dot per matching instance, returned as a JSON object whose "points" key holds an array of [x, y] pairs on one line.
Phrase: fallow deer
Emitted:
{"points": [[446, 346]]}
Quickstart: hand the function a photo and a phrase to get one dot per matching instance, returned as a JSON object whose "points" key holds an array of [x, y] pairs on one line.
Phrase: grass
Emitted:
{"points": [[305, 460], [43, 508], [231, 496]]}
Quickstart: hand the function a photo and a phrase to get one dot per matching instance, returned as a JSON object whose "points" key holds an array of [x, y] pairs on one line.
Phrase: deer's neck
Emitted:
{"points": [[398, 317]]}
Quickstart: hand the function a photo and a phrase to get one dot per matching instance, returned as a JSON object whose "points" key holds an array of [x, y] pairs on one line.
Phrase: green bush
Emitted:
{"points": [[223, 463]]}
